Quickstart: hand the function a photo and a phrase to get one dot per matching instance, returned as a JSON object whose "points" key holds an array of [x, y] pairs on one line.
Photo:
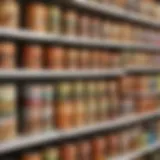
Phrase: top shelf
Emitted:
{"points": [[115, 12]]}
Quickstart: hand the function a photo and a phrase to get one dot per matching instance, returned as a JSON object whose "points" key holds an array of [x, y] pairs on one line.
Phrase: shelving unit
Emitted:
{"points": [[21, 35], [34, 140]]}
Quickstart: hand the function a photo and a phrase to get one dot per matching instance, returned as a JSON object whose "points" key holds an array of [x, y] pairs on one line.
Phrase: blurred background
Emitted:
{"points": [[79, 79]]}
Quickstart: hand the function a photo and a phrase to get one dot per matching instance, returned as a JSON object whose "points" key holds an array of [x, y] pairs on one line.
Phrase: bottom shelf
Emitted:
{"points": [[139, 153]]}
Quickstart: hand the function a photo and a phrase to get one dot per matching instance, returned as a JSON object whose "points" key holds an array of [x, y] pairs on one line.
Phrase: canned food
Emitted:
{"points": [[72, 58], [31, 156], [51, 154], [36, 16], [68, 152], [8, 103], [32, 110], [48, 114], [8, 128], [70, 22], [85, 62], [7, 55], [9, 13], [55, 58], [32, 56], [55, 18]]}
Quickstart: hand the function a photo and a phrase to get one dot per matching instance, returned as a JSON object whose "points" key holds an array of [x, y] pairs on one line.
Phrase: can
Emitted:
{"points": [[95, 55], [84, 25], [51, 153], [32, 56], [8, 103], [9, 13], [55, 19], [85, 61], [72, 61], [48, 114], [7, 55], [36, 16], [95, 28], [32, 110], [70, 22], [68, 152], [32, 156], [64, 105], [8, 128], [84, 150], [55, 58], [98, 148]]}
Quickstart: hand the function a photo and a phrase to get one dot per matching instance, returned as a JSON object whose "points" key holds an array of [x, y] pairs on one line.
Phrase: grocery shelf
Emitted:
{"points": [[139, 69], [139, 153], [35, 140], [45, 74], [115, 12], [26, 35]]}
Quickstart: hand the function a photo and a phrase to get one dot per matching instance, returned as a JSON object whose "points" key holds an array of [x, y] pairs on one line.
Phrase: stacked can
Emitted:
{"points": [[48, 112], [38, 111], [32, 108], [8, 115], [7, 55], [9, 13], [64, 105]]}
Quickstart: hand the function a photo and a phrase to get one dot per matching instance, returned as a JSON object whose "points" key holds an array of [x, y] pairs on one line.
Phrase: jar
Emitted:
{"points": [[9, 13], [32, 56], [55, 19], [36, 16], [55, 58], [7, 55]]}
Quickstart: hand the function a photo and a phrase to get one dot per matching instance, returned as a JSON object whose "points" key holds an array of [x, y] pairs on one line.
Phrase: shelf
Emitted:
{"points": [[35, 140], [115, 12], [139, 153], [25, 35], [48, 75]]}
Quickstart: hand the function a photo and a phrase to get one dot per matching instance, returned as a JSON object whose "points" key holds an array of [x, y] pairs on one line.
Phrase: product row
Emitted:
{"points": [[36, 56], [151, 156], [100, 147], [60, 20], [38, 108], [148, 8]]}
